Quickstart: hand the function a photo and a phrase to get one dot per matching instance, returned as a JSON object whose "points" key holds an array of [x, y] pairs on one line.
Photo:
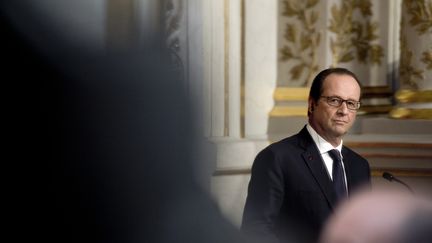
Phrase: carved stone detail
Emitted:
{"points": [[354, 38]]}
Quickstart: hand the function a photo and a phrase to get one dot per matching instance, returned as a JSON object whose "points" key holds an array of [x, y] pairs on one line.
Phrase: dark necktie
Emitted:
{"points": [[338, 175]]}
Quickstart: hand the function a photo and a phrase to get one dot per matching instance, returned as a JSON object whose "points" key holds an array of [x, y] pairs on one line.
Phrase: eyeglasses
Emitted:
{"points": [[337, 102]]}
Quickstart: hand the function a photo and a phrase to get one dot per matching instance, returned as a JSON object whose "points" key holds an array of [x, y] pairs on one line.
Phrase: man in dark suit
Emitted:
{"points": [[297, 183]]}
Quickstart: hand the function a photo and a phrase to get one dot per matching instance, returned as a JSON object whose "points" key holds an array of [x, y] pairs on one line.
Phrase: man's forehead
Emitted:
{"points": [[339, 79]]}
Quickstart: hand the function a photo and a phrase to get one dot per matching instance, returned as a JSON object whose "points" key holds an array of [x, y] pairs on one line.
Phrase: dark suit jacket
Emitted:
{"points": [[290, 193]]}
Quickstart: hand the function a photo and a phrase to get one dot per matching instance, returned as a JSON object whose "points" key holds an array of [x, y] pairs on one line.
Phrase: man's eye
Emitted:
{"points": [[334, 100], [351, 103]]}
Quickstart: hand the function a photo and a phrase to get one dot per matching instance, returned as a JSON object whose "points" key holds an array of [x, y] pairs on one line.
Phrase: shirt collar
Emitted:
{"points": [[322, 145]]}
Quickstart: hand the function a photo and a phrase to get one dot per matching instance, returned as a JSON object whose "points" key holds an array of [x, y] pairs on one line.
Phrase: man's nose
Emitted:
{"points": [[343, 108]]}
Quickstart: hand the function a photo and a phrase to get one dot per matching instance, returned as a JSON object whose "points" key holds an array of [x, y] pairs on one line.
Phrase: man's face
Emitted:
{"points": [[329, 121]]}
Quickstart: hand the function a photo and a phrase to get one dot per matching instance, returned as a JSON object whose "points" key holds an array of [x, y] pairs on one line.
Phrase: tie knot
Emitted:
{"points": [[335, 155]]}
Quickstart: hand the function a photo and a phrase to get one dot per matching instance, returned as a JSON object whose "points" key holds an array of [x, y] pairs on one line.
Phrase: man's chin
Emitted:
{"points": [[340, 131]]}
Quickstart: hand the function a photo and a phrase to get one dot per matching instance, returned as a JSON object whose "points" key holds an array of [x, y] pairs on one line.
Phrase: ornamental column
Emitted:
{"points": [[414, 97]]}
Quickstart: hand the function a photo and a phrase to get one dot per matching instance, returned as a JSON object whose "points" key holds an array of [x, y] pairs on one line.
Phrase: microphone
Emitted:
{"points": [[391, 178]]}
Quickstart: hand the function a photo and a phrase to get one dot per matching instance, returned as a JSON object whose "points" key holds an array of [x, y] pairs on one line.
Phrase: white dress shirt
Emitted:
{"points": [[324, 147]]}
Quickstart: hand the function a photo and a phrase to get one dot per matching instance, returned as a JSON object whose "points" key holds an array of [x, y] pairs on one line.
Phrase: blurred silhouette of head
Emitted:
{"points": [[107, 138], [380, 217]]}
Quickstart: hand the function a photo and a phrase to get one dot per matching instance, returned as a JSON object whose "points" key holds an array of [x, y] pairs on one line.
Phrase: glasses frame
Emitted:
{"points": [[341, 101]]}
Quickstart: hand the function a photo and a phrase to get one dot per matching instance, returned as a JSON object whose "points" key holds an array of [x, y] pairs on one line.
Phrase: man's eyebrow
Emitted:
{"points": [[336, 96]]}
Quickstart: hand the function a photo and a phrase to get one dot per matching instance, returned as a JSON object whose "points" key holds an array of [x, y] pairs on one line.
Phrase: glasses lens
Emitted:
{"points": [[334, 101], [351, 105]]}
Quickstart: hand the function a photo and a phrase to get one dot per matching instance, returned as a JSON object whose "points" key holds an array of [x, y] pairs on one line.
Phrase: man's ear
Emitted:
{"points": [[311, 105]]}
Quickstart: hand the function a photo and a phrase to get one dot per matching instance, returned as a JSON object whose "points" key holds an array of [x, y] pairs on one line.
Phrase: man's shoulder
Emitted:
{"points": [[349, 151], [278, 153], [285, 144], [352, 154]]}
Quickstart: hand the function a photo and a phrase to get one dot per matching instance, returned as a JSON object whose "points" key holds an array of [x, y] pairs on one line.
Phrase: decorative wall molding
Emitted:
{"points": [[408, 113], [290, 94], [416, 49], [409, 73], [415, 94], [401, 158], [397, 145], [302, 39], [290, 102], [377, 172], [376, 100], [348, 35], [420, 12], [410, 96], [173, 12], [287, 111], [354, 39]]}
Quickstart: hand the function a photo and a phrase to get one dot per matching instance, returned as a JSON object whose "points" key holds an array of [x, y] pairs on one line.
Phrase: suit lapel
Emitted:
{"points": [[314, 162]]}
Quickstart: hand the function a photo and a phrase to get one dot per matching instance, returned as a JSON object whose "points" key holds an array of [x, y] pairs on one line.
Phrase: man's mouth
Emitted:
{"points": [[340, 121]]}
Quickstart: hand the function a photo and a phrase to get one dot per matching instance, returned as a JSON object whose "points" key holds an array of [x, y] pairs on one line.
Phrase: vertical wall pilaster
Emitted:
{"points": [[260, 64], [414, 96]]}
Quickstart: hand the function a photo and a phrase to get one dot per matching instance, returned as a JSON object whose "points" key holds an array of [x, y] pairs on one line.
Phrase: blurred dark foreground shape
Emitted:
{"points": [[104, 142]]}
